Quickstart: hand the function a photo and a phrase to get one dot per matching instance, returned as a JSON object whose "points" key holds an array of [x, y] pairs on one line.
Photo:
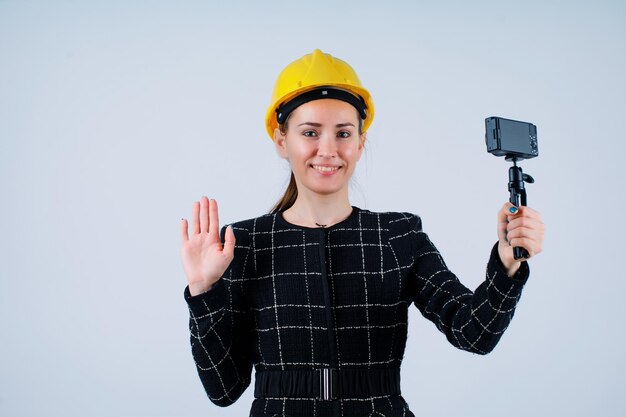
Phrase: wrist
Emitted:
{"points": [[512, 269], [199, 289], [510, 266]]}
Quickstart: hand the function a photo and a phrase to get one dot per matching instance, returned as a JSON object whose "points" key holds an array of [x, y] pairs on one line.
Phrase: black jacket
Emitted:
{"points": [[291, 290]]}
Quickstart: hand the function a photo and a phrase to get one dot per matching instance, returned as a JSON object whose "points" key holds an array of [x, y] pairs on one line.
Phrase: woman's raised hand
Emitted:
{"points": [[521, 227], [204, 259]]}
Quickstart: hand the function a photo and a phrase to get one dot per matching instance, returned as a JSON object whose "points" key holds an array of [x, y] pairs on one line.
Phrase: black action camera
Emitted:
{"points": [[511, 138]]}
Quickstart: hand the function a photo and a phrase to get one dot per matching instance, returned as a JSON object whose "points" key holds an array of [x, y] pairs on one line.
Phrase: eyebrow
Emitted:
{"points": [[319, 124]]}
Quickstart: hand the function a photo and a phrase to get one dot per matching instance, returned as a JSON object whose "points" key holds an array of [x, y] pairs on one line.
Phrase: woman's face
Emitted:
{"points": [[322, 145]]}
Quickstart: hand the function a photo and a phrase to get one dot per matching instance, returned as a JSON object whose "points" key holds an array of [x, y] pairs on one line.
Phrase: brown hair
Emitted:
{"points": [[291, 193]]}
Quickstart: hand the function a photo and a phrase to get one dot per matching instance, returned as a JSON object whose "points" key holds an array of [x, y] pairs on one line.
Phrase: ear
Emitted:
{"points": [[279, 141], [362, 140]]}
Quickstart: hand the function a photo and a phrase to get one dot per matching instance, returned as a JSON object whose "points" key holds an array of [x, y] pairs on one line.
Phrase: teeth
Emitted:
{"points": [[325, 169]]}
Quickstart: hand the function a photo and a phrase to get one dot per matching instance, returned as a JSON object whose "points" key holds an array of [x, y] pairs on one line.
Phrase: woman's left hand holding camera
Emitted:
{"points": [[521, 227]]}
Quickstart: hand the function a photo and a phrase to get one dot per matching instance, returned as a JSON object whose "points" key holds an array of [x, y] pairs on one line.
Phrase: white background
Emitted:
{"points": [[116, 116]]}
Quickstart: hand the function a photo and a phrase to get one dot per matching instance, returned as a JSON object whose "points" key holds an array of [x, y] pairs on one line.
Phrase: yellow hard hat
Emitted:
{"points": [[314, 76]]}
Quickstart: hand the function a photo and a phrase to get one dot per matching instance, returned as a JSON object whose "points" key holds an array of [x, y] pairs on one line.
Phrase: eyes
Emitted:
{"points": [[311, 133]]}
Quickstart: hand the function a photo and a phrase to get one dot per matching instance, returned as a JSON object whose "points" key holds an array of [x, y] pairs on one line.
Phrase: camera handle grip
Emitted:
{"points": [[517, 198]]}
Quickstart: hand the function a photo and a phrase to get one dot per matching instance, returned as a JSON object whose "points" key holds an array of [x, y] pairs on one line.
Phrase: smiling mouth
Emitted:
{"points": [[325, 169]]}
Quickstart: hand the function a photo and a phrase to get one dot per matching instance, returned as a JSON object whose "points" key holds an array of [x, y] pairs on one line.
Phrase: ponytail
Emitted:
{"points": [[288, 198], [291, 193]]}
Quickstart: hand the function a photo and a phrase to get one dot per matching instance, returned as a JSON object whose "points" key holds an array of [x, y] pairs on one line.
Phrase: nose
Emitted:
{"points": [[327, 147]]}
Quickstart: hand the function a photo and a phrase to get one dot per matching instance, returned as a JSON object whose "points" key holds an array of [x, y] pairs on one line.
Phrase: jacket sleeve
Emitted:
{"points": [[220, 326], [472, 321]]}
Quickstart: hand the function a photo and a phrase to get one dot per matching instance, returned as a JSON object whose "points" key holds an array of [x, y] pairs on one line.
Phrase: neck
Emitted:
{"points": [[318, 213]]}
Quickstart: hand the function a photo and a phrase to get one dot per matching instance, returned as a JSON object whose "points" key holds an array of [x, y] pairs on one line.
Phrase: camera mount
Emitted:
{"points": [[518, 195]]}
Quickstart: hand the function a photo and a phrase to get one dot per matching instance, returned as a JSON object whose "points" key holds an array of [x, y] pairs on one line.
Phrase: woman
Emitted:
{"points": [[315, 294]]}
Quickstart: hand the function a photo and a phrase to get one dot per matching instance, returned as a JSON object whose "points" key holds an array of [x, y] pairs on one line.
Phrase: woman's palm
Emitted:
{"points": [[204, 259]]}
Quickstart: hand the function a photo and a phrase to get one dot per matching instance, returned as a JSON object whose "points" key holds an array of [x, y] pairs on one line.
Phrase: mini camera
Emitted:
{"points": [[511, 138]]}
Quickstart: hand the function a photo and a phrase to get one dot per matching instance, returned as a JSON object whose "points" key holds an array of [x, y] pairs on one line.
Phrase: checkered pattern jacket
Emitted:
{"points": [[301, 298]]}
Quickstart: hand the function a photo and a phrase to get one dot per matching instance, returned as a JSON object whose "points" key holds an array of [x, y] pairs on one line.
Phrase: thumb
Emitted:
{"points": [[229, 242], [503, 219]]}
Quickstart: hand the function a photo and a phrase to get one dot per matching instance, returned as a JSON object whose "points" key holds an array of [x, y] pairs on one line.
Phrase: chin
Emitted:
{"points": [[325, 190], [324, 186]]}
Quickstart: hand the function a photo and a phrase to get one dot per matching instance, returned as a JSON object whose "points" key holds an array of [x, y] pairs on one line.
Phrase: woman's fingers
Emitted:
{"points": [[183, 230], [195, 215], [528, 212], [520, 236], [503, 219], [205, 219], [526, 223], [531, 245], [204, 214], [525, 231], [524, 228], [214, 222], [229, 242]]}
